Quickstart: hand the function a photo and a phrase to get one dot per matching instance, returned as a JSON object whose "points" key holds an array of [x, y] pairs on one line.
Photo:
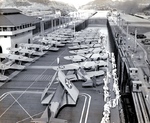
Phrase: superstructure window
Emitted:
{"points": [[18, 27], [4, 28], [5, 36], [12, 28], [15, 28], [8, 29]]}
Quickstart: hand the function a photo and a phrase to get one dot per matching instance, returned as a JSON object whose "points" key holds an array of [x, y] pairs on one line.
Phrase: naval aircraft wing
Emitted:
{"points": [[26, 50], [73, 77], [61, 39], [95, 45], [95, 73], [75, 66], [22, 50], [78, 47], [78, 40], [52, 42], [15, 57], [4, 66], [34, 46], [84, 40], [96, 56], [66, 67], [11, 65], [3, 77], [53, 49], [81, 57], [89, 64], [85, 51], [83, 46], [17, 67], [75, 58]]}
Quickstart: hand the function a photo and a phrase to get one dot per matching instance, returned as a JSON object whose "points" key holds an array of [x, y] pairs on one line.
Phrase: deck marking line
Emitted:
{"points": [[29, 117], [89, 102], [29, 86], [21, 106], [7, 93], [3, 96], [85, 100], [88, 107]]}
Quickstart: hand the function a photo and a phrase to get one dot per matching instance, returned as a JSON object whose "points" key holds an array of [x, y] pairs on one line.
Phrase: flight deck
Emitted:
{"points": [[20, 97], [54, 89]]}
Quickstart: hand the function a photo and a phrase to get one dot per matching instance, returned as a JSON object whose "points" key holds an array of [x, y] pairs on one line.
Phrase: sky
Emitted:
{"points": [[76, 3]]}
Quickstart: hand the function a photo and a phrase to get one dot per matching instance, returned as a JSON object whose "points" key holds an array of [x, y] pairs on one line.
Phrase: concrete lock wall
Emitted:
{"points": [[122, 66]]}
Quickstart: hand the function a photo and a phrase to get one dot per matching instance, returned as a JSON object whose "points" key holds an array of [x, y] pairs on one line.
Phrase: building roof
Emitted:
{"points": [[9, 11], [15, 20]]}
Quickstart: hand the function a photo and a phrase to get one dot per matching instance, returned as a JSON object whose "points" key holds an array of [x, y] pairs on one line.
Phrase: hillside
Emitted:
{"points": [[37, 5], [127, 6], [97, 4]]}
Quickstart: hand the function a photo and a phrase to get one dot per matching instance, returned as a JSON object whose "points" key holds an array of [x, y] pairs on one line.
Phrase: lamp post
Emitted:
{"points": [[135, 38], [119, 20], [127, 30], [122, 23]]}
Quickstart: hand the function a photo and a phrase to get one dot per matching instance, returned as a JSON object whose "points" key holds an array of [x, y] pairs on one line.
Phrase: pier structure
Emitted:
{"points": [[128, 34]]}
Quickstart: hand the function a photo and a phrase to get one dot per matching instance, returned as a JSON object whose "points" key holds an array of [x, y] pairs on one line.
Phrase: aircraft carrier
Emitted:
{"points": [[20, 100]]}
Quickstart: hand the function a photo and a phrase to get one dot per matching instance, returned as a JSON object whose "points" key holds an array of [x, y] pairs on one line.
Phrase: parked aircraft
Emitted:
{"points": [[15, 57], [38, 47], [49, 41], [89, 50], [85, 65], [88, 56], [75, 47], [79, 73], [65, 94], [22, 51], [9, 64]]}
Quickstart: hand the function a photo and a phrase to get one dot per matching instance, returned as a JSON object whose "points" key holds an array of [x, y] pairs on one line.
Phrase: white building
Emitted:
{"points": [[15, 28]]}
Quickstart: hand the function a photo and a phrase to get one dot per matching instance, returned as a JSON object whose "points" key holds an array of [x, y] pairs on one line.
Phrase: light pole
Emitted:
{"points": [[135, 38], [127, 30], [122, 23], [119, 20]]}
